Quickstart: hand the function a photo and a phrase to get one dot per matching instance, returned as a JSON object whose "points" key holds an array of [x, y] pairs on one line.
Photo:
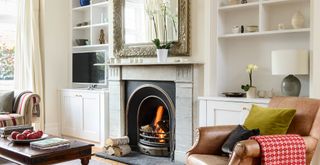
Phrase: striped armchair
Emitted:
{"points": [[26, 105]]}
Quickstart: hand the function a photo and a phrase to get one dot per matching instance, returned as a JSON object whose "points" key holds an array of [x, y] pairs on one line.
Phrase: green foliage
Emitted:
{"points": [[158, 44], [245, 87], [6, 62]]}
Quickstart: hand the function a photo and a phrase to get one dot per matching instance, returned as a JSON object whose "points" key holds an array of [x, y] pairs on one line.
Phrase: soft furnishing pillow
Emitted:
{"points": [[238, 134], [269, 121], [6, 101]]}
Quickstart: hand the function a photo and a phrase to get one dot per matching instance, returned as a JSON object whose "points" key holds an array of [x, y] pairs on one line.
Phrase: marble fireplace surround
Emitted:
{"points": [[183, 74]]}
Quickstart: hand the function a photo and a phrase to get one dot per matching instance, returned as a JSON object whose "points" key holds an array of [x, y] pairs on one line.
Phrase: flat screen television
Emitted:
{"points": [[89, 68]]}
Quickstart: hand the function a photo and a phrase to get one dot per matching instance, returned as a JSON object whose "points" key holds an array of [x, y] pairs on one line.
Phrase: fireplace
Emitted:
{"points": [[150, 114]]}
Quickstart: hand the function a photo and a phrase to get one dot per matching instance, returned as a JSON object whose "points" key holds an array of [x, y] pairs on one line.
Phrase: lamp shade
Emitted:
{"points": [[285, 62]]}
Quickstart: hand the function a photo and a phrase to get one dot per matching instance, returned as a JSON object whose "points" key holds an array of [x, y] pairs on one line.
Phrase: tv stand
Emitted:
{"points": [[84, 114]]}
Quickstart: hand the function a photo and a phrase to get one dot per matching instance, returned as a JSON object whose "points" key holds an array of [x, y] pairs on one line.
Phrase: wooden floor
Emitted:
{"points": [[96, 149]]}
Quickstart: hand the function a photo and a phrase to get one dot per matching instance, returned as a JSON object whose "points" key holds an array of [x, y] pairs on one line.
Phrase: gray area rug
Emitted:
{"points": [[74, 162], [136, 158]]}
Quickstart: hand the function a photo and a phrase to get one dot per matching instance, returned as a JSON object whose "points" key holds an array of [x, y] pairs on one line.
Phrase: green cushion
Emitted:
{"points": [[6, 101], [270, 121]]}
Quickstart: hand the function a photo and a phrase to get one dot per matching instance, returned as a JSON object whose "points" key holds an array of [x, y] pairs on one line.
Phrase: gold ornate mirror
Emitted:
{"points": [[137, 22]]}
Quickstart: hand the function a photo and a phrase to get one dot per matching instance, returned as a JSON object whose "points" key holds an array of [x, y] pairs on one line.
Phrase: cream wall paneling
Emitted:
{"points": [[235, 51]]}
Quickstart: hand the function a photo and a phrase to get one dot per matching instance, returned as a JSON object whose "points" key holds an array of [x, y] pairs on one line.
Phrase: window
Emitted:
{"points": [[8, 18]]}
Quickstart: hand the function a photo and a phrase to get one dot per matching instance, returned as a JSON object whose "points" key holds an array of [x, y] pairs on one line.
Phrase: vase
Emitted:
{"points": [[84, 2], [297, 20], [252, 92], [162, 55]]}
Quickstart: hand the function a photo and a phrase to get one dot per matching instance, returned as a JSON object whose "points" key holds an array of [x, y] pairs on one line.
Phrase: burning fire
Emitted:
{"points": [[158, 118]]}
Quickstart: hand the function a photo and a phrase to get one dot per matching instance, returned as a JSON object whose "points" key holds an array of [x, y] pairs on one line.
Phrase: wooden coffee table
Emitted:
{"points": [[23, 154]]}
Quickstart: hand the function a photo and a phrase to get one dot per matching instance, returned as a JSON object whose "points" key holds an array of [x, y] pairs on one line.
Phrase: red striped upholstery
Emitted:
{"points": [[11, 120], [27, 104]]}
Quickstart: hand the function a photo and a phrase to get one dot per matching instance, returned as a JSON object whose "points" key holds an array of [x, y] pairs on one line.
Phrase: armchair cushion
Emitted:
{"points": [[201, 159], [237, 135], [270, 121], [6, 101]]}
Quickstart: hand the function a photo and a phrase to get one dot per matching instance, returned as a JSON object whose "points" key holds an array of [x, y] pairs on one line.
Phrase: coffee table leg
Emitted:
{"points": [[85, 161]]}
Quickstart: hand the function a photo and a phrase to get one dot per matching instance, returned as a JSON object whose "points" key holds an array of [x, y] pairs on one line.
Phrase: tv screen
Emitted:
{"points": [[88, 68]]}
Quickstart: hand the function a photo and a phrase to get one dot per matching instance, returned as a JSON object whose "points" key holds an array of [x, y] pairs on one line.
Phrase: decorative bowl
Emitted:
{"points": [[82, 42], [252, 28], [234, 94], [26, 141]]}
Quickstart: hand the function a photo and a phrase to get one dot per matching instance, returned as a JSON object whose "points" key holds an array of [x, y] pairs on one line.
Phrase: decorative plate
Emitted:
{"points": [[44, 136], [234, 94]]}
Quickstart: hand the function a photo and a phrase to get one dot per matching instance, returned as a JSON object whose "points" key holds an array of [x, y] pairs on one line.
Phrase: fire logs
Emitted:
{"points": [[118, 146]]}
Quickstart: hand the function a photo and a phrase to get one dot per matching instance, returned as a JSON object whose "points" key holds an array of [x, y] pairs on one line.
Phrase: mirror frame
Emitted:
{"points": [[120, 49]]}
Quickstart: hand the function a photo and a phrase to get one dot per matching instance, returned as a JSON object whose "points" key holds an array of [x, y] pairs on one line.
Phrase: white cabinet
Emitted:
{"points": [[84, 114], [226, 111]]}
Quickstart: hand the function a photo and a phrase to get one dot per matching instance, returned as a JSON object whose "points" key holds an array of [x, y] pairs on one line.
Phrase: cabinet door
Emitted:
{"points": [[227, 113], [90, 126], [71, 105], [223, 113]]}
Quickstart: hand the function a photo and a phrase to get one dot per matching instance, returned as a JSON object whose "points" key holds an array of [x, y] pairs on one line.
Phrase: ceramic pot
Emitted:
{"points": [[297, 20], [252, 92], [162, 55], [84, 2]]}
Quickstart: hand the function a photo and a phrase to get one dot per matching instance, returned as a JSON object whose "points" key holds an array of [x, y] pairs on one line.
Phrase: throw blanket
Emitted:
{"points": [[282, 149]]}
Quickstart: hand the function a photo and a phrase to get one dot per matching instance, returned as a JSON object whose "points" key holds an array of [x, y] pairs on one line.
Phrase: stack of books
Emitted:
{"points": [[51, 143], [6, 131]]}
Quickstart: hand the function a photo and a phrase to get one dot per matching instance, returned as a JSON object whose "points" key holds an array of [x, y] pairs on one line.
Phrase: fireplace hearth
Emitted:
{"points": [[150, 117]]}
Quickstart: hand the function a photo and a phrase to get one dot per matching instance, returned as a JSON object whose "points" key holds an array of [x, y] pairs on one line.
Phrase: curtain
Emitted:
{"points": [[28, 59]]}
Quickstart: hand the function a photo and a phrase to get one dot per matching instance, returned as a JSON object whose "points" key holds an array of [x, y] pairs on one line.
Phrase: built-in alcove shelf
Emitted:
{"points": [[266, 14], [94, 18], [92, 46], [234, 51], [274, 32]]}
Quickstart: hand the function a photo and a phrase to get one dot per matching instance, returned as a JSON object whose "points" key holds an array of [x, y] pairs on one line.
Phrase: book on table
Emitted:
{"points": [[50, 143]]}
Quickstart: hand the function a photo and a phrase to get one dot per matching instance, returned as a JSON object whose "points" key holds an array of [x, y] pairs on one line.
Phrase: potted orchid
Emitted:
{"points": [[249, 88], [162, 46]]}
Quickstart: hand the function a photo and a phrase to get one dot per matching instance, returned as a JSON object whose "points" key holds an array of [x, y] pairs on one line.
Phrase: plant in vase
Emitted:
{"points": [[162, 46], [249, 88]]}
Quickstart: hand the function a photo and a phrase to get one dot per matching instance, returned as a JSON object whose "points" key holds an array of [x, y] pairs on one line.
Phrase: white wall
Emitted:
{"points": [[315, 58], [55, 45]]}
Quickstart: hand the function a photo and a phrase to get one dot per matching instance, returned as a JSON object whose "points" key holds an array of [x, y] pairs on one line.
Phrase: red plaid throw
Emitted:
{"points": [[282, 149]]}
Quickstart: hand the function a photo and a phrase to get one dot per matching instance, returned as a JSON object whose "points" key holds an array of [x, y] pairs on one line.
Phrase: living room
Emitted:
{"points": [[159, 81]]}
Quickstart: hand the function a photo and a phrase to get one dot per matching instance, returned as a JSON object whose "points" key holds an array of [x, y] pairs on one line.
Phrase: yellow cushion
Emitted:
{"points": [[270, 121]]}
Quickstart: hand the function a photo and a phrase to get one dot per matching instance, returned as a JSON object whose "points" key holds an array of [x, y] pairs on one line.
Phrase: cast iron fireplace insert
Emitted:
{"points": [[150, 117]]}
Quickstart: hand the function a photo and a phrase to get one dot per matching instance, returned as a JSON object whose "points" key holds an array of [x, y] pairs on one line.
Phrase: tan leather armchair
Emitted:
{"points": [[207, 148]]}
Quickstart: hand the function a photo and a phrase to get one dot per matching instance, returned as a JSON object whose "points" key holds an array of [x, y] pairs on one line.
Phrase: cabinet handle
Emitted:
{"points": [[78, 95]]}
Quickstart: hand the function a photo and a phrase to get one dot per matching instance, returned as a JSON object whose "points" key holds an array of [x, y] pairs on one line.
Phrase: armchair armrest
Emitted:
{"points": [[210, 139], [28, 103], [251, 149]]}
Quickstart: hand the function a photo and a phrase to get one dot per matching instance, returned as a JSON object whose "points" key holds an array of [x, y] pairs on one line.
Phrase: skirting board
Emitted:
{"points": [[180, 156]]}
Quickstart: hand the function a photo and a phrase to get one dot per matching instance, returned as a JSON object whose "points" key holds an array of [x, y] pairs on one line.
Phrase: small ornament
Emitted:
{"points": [[244, 1], [101, 38], [297, 20]]}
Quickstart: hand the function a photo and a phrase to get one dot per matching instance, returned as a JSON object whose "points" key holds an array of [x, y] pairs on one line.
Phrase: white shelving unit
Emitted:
{"points": [[96, 15], [234, 51], [266, 14]]}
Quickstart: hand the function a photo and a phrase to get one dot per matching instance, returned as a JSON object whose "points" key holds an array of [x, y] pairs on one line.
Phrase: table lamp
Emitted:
{"points": [[290, 62]]}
